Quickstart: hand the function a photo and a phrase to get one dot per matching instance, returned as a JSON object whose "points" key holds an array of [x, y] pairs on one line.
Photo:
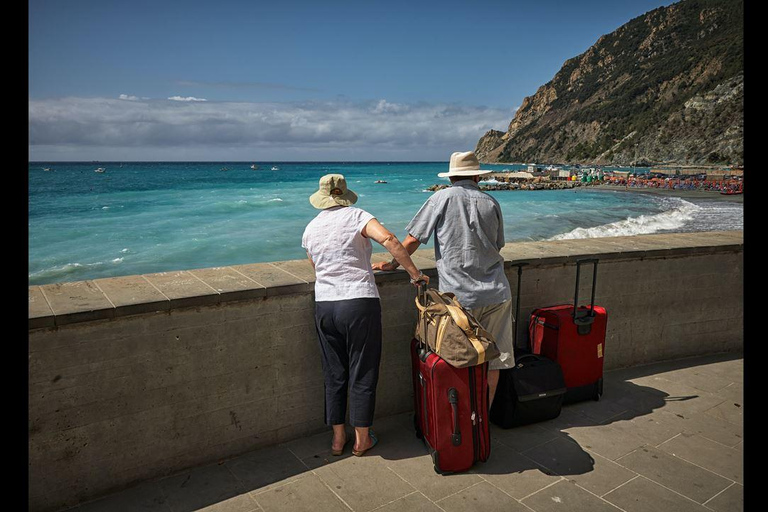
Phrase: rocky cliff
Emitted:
{"points": [[667, 87]]}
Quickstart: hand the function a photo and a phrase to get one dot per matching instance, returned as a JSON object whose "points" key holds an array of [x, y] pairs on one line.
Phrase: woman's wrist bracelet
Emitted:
{"points": [[418, 278]]}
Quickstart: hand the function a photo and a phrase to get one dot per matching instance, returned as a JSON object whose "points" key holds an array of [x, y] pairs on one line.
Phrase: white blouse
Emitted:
{"points": [[342, 255]]}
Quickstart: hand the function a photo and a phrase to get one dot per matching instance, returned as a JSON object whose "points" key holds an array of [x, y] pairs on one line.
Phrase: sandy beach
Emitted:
{"points": [[685, 194]]}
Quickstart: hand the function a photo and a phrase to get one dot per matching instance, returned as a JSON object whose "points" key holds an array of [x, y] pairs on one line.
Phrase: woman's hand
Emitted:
{"points": [[421, 278], [384, 265]]}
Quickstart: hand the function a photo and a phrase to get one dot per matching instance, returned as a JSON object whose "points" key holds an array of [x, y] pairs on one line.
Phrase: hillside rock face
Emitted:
{"points": [[667, 87]]}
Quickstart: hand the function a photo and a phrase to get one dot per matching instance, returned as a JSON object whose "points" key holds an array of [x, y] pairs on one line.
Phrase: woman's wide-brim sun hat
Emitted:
{"points": [[332, 192], [463, 164]]}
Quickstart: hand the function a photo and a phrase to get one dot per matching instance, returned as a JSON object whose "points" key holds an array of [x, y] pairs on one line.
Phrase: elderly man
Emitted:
{"points": [[469, 233]]}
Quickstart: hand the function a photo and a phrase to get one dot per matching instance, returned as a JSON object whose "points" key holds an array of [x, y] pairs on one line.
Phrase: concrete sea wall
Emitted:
{"points": [[137, 377]]}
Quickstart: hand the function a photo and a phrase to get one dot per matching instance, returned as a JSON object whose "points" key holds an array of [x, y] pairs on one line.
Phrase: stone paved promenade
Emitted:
{"points": [[664, 437]]}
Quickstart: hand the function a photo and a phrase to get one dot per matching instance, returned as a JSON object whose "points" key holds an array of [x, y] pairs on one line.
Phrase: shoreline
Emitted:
{"points": [[684, 194]]}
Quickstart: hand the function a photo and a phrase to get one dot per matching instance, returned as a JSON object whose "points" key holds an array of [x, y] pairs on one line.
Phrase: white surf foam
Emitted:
{"points": [[676, 217]]}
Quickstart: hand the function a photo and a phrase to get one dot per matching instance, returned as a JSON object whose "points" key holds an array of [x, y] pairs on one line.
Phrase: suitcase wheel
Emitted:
{"points": [[598, 389]]}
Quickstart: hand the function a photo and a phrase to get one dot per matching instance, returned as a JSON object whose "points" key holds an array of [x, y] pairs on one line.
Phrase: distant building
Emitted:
{"points": [[519, 176], [533, 168], [560, 174]]}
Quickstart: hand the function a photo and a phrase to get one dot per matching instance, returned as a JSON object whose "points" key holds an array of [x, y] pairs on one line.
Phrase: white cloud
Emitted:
{"points": [[129, 98], [333, 129], [187, 98]]}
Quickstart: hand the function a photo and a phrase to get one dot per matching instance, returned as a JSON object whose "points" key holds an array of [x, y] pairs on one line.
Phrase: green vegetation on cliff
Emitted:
{"points": [[666, 86]]}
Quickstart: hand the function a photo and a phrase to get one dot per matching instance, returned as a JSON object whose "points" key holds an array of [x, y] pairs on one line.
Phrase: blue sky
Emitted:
{"points": [[293, 80]]}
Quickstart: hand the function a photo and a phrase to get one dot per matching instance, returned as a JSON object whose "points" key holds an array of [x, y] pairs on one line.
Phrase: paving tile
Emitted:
{"points": [[276, 280], [715, 457], [40, 313], [133, 295], [566, 496], [730, 500], [562, 456], [306, 494], [600, 410], [733, 393], [395, 441], [569, 418], [351, 479], [482, 496], [698, 379], [515, 474], [606, 440], [634, 397], [419, 472], [522, 438], [605, 476], [318, 444], [183, 289], [231, 284], [77, 302], [263, 469], [714, 428], [674, 473], [643, 495], [729, 411], [732, 369], [654, 428], [681, 398], [406, 456], [415, 502], [302, 269], [147, 497], [210, 488]]}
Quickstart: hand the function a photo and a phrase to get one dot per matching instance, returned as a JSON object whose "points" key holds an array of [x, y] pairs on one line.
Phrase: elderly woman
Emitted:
{"points": [[347, 308]]}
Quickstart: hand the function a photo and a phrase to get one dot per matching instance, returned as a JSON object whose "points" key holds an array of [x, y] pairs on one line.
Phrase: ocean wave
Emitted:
{"points": [[117, 260], [275, 199], [62, 271], [672, 219]]}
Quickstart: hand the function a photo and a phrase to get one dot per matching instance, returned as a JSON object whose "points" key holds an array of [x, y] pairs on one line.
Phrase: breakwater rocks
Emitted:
{"points": [[545, 185]]}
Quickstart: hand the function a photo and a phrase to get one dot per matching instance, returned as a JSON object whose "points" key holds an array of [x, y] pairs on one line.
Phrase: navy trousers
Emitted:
{"points": [[349, 332]]}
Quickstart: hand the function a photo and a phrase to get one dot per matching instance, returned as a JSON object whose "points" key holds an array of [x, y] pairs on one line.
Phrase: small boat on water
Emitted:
{"points": [[100, 169], [47, 169], [380, 181], [223, 169], [731, 192], [255, 167], [275, 168]]}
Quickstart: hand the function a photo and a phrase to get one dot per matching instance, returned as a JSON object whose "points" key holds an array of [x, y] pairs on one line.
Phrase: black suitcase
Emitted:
{"points": [[533, 390], [530, 392]]}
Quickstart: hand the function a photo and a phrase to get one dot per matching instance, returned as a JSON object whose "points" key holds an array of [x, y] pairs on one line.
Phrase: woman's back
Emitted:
{"points": [[341, 254]]}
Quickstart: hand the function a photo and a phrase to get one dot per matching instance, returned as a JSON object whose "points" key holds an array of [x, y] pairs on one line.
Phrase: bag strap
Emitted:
{"points": [[460, 318]]}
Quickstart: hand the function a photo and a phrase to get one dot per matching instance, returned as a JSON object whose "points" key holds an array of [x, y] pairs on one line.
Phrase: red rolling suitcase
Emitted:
{"points": [[450, 410], [574, 337]]}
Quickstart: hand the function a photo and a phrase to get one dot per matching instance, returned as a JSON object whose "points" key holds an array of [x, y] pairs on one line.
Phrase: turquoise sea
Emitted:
{"points": [[144, 217]]}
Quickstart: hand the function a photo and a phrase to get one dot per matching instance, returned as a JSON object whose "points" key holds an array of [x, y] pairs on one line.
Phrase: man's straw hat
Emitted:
{"points": [[333, 191], [463, 164]]}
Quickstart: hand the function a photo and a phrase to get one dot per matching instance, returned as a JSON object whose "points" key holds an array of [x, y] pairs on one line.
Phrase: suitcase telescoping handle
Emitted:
{"points": [[519, 266], [584, 321], [422, 297]]}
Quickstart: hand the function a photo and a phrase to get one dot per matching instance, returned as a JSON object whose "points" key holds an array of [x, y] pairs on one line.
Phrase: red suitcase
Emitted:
{"points": [[450, 410], [574, 338]]}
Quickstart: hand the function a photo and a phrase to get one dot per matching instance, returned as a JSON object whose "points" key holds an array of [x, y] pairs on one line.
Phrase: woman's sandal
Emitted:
{"points": [[360, 453], [339, 452]]}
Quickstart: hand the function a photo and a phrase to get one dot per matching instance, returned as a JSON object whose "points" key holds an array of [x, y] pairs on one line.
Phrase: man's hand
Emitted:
{"points": [[383, 265]]}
